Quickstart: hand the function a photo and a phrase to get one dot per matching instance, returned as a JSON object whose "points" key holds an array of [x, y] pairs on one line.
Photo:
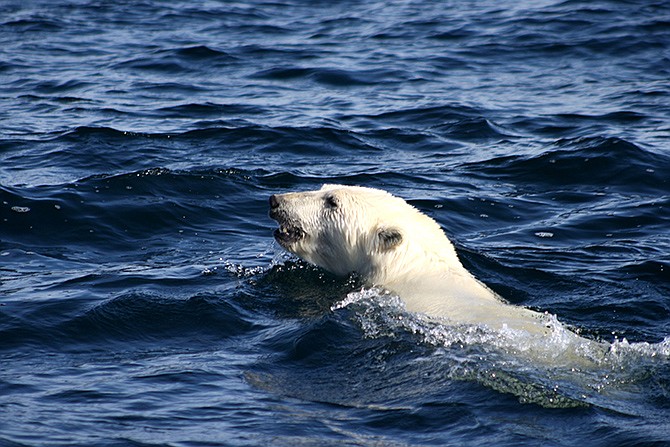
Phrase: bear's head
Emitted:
{"points": [[346, 229]]}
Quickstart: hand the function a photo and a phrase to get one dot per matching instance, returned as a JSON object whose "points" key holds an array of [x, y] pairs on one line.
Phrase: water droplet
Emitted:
{"points": [[20, 209]]}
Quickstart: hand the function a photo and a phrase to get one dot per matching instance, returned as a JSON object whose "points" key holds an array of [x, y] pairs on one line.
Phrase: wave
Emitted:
{"points": [[474, 129], [424, 116], [594, 161], [202, 52], [82, 133], [208, 109], [128, 317], [575, 125], [568, 28], [35, 25], [654, 270], [180, 60], [260, 137], [113, 210], [371, 333], [334, 77]]}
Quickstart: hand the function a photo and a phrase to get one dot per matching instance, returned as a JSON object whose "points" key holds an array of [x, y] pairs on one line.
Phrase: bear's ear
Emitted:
{"points": [[388, 238]]}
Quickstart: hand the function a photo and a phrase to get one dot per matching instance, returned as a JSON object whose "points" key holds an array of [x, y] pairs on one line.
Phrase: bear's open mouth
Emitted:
{"points": [[288, 234]]}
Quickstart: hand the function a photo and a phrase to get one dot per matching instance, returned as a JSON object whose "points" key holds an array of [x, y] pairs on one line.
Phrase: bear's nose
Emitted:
{"points": [[274, 201]]}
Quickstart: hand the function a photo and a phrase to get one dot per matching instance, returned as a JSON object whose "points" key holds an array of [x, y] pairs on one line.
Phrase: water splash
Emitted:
{"points": [[558, 371], [279, 257]]}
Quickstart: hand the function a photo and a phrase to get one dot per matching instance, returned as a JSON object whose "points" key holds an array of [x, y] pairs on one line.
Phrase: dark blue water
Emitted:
{"points": [[143, 301]]}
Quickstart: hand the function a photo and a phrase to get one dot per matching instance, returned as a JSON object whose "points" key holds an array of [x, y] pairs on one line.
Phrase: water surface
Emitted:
{"points": [[143, 301]]}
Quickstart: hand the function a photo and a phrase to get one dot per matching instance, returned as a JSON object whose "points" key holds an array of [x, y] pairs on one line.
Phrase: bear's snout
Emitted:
{"points": [[279, 211], [274, 201], [277, 207]]}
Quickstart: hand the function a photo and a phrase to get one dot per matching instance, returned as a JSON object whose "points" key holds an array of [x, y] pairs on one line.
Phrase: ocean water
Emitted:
{"points": [[143, 301]]}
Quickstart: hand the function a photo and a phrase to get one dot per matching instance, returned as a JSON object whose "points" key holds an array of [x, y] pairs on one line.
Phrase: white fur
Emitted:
{"points": [[390, 244]]}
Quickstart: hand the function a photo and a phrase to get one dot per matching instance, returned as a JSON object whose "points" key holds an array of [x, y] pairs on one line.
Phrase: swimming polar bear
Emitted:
{"points": [[391, 245]]}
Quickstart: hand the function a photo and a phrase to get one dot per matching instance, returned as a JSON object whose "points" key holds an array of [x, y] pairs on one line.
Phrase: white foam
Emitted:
{"points": [[558, 370]]}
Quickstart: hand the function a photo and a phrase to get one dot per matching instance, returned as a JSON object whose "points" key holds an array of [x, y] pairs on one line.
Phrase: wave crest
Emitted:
{"points": [[500, 359]]}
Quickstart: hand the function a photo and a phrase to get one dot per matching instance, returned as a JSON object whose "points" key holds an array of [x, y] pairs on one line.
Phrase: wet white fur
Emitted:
{"points": [[421, 266]]}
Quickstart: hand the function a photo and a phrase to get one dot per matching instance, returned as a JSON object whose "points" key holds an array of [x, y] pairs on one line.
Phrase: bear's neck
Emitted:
{"points": [[419, 270], [444, 288]]}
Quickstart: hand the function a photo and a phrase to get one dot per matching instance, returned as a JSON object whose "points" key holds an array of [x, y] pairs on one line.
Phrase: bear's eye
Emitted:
{"points": [[332, 202]]}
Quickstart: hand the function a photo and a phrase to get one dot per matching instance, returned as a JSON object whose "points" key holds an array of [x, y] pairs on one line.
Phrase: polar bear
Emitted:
{"points": [[391, 245]]}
